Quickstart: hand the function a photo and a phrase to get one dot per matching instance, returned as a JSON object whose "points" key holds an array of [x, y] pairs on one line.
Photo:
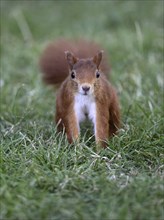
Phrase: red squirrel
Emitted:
{"points": [[85, 92]]}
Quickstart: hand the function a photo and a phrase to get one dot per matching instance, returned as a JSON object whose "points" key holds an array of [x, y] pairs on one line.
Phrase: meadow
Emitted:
{"points": [[42, 175]]}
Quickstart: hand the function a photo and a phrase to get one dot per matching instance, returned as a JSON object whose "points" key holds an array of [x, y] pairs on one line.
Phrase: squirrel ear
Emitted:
{"points": [[71, 59], [97, 58]]}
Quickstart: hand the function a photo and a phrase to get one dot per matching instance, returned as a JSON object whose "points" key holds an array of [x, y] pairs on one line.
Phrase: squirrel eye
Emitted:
{"points": [[97, 74], [73, 74]]}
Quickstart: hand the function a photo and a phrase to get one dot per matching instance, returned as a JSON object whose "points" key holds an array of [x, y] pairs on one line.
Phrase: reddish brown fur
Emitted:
{"points": [[108, 113], [56, 70], [65, 116], [54, 65]]}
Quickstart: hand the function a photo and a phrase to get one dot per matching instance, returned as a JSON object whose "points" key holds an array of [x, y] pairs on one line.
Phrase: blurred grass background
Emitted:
{"points": [[42, 176]]}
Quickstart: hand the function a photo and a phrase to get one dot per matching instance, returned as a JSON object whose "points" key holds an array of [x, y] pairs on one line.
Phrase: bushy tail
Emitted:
{"points": [[53, 63]]}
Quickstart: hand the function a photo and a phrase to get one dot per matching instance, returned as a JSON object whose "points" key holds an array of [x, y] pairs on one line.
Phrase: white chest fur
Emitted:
{"points": [[85, 107]]}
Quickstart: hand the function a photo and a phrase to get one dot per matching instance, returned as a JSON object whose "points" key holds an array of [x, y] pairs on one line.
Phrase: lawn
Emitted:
{"points": [[44, 177]]}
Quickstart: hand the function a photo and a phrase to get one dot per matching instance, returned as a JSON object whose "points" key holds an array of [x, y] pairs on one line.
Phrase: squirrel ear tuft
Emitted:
{"points": [[97, 58], [71, 59]]}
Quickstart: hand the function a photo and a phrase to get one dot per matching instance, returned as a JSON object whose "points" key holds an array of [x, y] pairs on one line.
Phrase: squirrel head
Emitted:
{"points": [[84, 73]]}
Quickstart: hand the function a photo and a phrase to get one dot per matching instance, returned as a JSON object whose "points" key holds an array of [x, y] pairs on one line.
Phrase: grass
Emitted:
{"points": [[42, 176]]}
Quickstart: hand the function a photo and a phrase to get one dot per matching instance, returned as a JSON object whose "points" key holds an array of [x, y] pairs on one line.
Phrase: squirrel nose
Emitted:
{"points": [[86, 88]]}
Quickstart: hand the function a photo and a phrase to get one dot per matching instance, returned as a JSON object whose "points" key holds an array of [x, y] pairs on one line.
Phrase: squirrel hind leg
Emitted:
{"points": [[114, 119], [69, 127]]}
